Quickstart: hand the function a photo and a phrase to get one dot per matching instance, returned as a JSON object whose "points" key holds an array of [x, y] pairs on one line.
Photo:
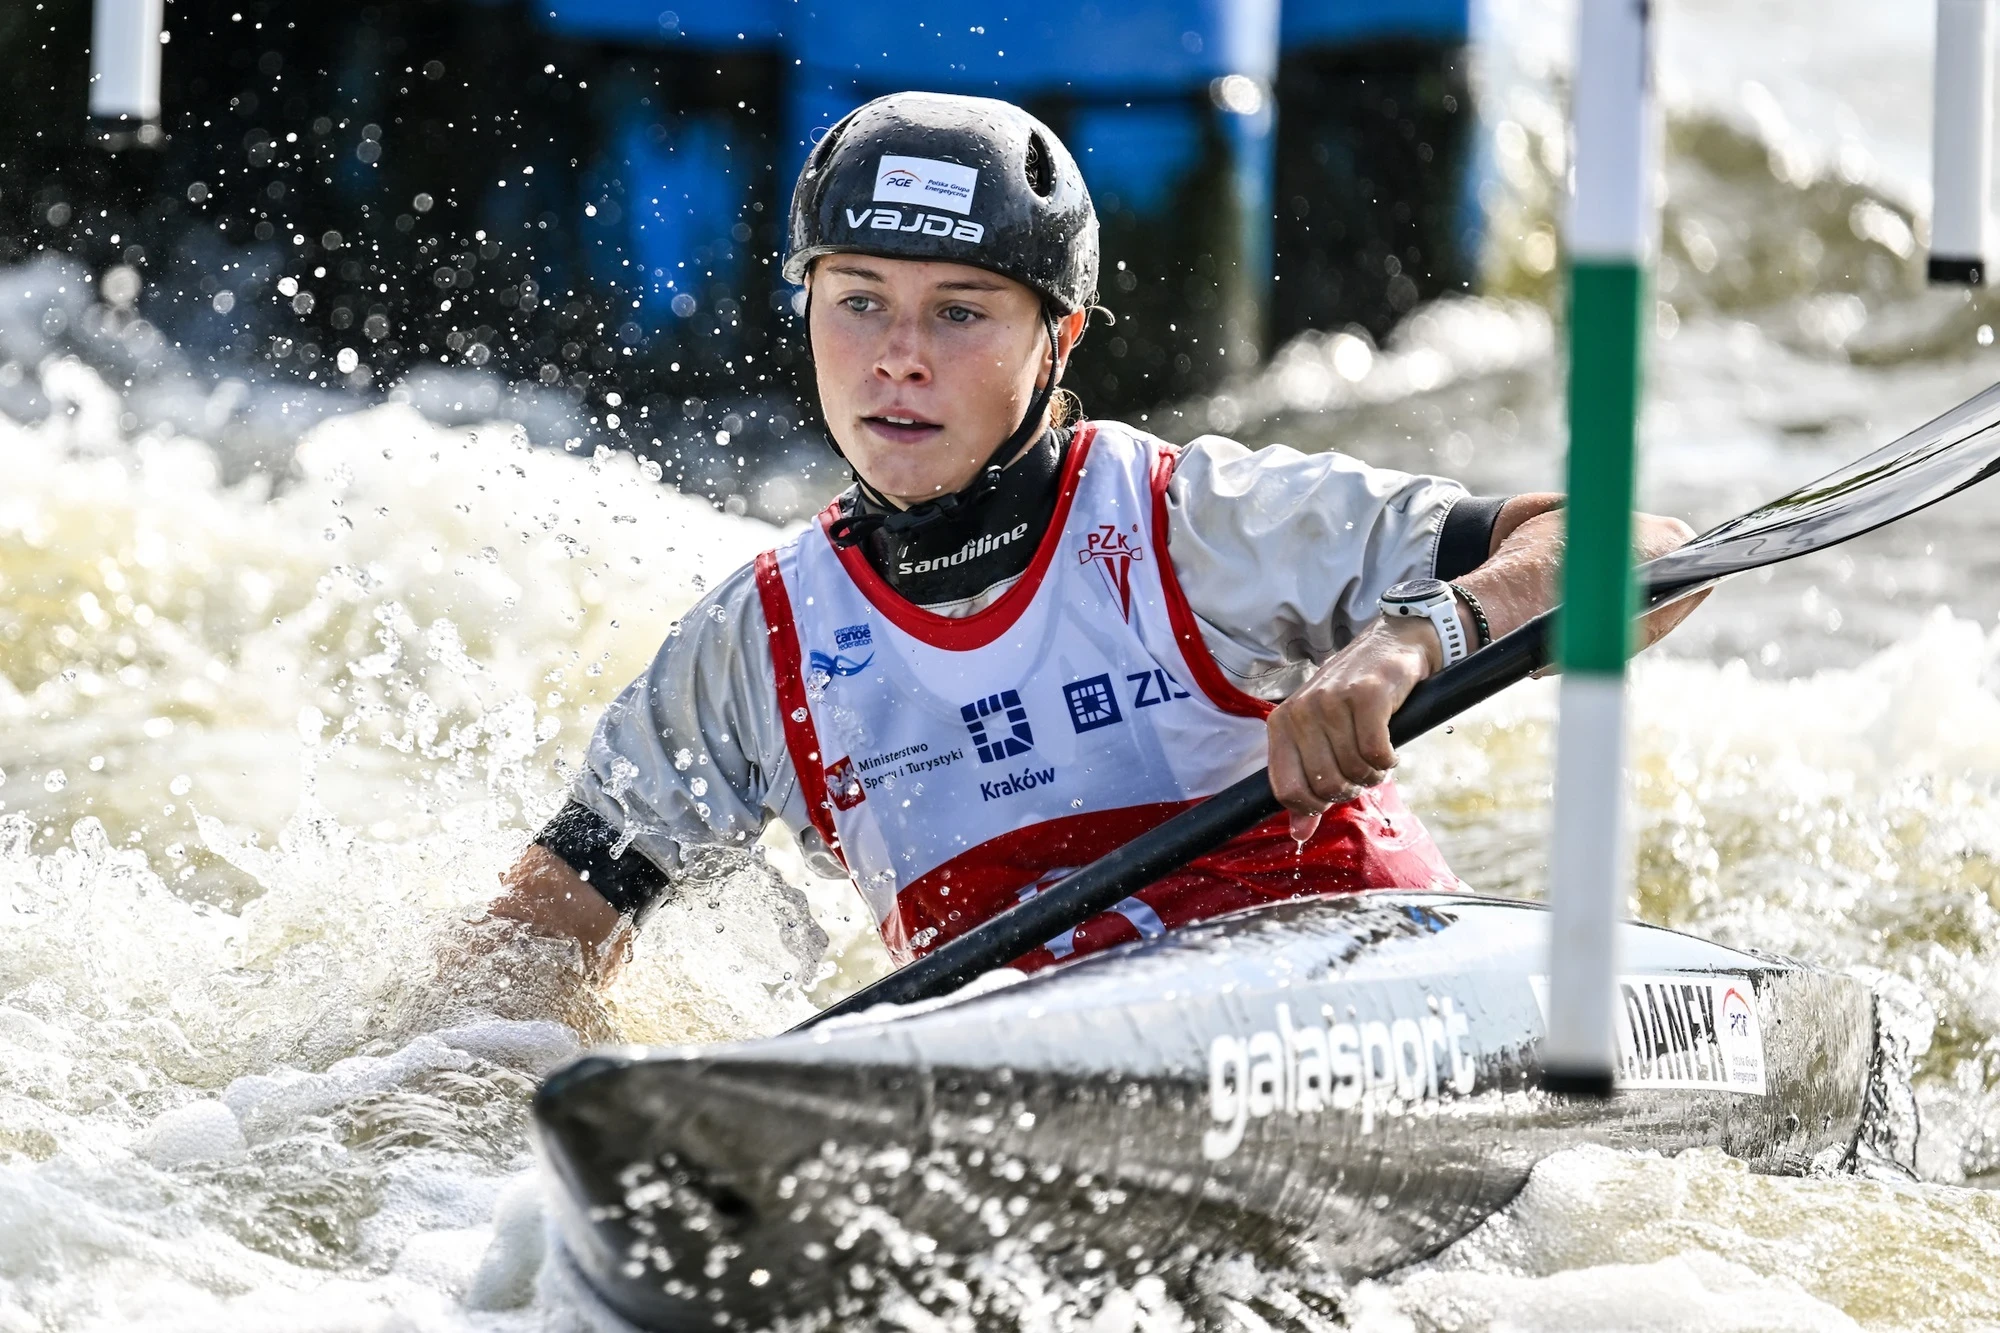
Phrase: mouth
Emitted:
{"points": [[902, 428]]}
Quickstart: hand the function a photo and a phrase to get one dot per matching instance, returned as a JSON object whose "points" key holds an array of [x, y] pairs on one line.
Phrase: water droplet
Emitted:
{"points": [[181, 785], [55, 781]]}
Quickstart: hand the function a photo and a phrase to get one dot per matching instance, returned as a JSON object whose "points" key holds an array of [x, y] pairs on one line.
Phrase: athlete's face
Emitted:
{"points": [[925, 368]]}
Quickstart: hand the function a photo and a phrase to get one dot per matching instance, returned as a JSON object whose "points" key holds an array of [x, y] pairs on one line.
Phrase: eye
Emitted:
{"points": [[958, 314], [860, 305]]}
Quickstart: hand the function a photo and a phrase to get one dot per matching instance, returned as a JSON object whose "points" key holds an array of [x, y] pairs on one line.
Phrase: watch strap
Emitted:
{"points": [[1442, 612]]}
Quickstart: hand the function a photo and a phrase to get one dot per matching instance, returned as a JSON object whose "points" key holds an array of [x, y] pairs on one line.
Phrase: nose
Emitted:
{"points": [[905, 357]]}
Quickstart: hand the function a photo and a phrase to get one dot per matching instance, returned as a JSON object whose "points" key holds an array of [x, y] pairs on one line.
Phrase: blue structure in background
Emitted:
{"points": [[694, 24], [1305, 24], [1133, 157], [678, 198]]}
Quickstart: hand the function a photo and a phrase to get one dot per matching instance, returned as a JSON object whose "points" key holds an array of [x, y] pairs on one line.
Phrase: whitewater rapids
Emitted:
{"points": [[269, 728]]}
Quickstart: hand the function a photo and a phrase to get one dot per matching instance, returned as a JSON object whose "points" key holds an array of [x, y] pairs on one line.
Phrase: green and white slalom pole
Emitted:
{"points": [[1611, 229]]}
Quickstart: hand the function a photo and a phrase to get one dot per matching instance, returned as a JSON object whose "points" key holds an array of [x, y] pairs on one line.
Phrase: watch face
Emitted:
{"points": [[1415, 590]]}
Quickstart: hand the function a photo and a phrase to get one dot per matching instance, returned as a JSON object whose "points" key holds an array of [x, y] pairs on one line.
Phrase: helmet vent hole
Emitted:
{"points": [[1041, 167], [822, 152]]}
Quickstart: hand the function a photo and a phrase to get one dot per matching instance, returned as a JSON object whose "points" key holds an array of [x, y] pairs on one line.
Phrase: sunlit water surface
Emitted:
{"points": [[268, 735]]}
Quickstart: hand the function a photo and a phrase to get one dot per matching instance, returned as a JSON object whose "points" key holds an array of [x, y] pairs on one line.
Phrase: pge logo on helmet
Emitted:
{"points": [[926, 182]]}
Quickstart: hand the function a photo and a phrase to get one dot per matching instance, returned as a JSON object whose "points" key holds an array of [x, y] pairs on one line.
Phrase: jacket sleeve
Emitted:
{"points": [[1283, 555], [692, 753]]}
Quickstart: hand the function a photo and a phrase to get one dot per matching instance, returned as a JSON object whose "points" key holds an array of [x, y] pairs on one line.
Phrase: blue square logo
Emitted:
{"points": [[999, 726], [1092, 704]]}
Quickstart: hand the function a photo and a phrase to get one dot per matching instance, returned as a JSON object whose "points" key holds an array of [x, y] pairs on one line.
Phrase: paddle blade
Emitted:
{"points": [[1931, 463]]}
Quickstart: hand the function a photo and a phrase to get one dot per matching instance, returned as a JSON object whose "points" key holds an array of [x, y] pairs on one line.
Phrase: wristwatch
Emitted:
{"points": [[1432, 599]]}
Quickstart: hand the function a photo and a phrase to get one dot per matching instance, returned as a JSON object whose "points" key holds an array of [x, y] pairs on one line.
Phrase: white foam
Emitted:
{"points": [[1601, 1239], [199, 1131], [505, 1278], [1686, 1293]]}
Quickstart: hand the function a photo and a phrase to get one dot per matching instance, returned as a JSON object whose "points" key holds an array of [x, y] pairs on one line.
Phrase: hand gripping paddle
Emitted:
{"points": [[1958, 450]]}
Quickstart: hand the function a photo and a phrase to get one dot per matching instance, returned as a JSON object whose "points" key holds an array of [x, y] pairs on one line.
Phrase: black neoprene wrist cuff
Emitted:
{"points": [[584, 839], [1466, 537]]}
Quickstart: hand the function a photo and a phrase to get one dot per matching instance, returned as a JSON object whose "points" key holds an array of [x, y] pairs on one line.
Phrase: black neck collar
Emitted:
{"points": [[986, 542]]}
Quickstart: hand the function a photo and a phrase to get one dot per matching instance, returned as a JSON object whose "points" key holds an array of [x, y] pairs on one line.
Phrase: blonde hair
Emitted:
{"points": [[1065, 408]]}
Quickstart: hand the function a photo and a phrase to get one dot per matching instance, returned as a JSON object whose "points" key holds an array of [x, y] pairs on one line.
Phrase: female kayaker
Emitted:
{"points": [[1019, 640]]}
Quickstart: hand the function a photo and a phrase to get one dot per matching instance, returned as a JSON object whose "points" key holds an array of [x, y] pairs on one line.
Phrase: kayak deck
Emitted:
{"points": [[1336, 1085]]}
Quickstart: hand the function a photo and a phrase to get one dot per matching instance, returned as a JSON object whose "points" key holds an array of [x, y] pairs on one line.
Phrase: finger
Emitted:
{"points": [[1288, 779], [1325, 773], [1355, 772], [1368, 712], [1658, 624], [1303, 827]]}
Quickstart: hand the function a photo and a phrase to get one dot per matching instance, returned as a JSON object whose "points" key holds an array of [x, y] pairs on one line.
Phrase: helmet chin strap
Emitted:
{"points": [[852, 529]]}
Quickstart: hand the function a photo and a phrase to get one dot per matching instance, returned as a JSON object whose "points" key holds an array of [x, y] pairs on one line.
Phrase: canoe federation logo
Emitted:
{"points": [[1308, 1068], [838, 662]]}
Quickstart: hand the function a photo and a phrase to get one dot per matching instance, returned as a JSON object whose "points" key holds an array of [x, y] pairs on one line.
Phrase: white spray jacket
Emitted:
{"points": [[1281, 556]]}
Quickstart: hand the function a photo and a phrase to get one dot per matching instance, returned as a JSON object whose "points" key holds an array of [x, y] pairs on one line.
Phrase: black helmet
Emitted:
{"points": [[965, 180]]}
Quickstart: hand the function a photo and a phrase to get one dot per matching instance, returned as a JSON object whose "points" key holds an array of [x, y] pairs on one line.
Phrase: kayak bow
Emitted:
{"points": [[1338, 1085]]}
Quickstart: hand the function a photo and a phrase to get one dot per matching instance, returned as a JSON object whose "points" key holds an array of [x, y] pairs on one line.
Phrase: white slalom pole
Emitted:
{"points": [[1611, 230], [1961, 141], [125, 61]]}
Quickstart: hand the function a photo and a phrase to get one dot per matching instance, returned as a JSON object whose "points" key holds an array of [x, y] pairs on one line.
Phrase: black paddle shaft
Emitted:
{"points": [[1930, 463]]}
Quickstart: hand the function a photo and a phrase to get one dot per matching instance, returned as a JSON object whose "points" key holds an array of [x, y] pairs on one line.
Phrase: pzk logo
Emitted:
{"points": [[992, 747], [1114, 552]]}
